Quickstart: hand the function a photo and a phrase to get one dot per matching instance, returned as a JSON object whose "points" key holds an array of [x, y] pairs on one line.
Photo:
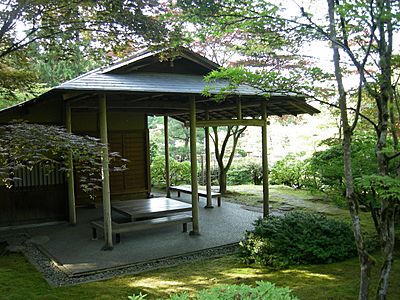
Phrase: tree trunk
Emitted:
{"points": [[387, 242], [222, 180], [365, 259], [387, 238], [235, 133]]}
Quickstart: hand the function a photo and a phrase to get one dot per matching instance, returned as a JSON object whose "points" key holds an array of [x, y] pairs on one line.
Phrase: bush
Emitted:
{"points": [[263, 290], [179, 171], [292, 171], [239, 174], [298, 238], [245, 172]]}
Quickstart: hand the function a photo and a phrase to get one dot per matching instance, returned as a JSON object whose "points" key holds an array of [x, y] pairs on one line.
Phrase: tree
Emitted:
{"points": [[107, 26], [53, 68], [361, 32], [233, 132], [365, 259]]}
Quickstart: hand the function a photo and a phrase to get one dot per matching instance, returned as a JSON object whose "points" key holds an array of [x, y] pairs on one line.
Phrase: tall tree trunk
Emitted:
{"points": [[222, 180], [387, 237], [365, 260]]}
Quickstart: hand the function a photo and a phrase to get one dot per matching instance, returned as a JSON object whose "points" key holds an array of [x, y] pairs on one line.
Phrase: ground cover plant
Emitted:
{"points": [[263, 290], [298, 238]]}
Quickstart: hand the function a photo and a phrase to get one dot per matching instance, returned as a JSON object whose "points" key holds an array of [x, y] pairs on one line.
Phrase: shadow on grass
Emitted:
{"points": [[19, 280]]}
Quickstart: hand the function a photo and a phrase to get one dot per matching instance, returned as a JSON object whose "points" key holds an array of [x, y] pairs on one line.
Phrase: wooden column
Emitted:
{"points": [[105, 174], [166, 147], [193, 165], [265, 161], [239, 109], [208, 164], [71, 181]]}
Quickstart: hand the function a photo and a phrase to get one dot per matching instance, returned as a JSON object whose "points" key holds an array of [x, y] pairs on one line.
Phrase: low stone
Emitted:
{"points": [[39, 239], [15, 248], [286, 207]]}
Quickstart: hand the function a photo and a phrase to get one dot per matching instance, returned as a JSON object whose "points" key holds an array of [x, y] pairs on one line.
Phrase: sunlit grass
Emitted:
{"points": [[19, 280]]}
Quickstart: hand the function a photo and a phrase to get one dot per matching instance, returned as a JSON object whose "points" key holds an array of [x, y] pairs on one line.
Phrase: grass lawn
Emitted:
{"points": [[19, 279]]}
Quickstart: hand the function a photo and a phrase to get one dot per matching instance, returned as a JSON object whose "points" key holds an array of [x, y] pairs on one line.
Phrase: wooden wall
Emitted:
{"points": [[32, 205], [127, 134], [39, 199]]}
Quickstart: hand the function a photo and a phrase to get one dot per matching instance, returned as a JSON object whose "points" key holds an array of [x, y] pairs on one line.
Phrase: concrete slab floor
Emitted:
{"points": [[72, 248]]}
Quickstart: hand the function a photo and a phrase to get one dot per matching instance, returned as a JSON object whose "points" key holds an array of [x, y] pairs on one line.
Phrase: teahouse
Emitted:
{"points": [[113, 103]]}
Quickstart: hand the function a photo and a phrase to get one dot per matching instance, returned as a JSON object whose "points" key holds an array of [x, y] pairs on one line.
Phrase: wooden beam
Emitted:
{"points": [[166, 147], [193, 166], [208, 164], [73, 95], [229, 122], [265, 162], [70, 179], [105, 173]]}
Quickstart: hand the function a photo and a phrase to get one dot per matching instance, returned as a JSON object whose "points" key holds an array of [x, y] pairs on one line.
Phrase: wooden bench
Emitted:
{"points": [[201, 193], [118, 228]]}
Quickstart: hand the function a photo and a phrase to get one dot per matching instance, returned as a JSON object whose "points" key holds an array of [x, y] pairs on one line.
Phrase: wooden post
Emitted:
{"points": [[166, 147], [239, 109], [208, 164], [265, 161], [71, 181], [148, 160], [193, 166], [105, 175]]}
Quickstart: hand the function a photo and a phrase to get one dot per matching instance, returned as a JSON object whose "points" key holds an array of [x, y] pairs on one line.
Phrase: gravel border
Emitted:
{"points": [[54, 274]]}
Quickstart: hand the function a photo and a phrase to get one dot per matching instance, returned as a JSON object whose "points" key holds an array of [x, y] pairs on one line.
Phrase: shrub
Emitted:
{"points": [[179, 171], [264, 290], [292, 170], [245, 172], [239, 174], [298, 238]]}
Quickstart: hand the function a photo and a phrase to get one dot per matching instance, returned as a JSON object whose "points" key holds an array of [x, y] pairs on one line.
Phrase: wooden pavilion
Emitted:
{"points": [[113, 103]]}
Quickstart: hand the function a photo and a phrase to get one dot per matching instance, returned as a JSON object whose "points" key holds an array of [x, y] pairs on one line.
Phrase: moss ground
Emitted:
{"points": [[19, 280]]}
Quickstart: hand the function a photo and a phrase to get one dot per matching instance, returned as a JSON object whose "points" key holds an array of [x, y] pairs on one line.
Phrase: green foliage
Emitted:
{"points": [[137, 297], [323, 171], [24, 145], [179, 171], [328, 164], [245, 172], [263, 290], [298, 238], [55, 66], [239, 174], [292, 171], [56, 29], [376, 187], [17, 80]]}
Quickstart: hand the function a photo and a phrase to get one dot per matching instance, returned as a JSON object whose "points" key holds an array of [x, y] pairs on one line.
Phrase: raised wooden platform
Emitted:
{"points": [[118, 228], [202, 193], [146, 213]]}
